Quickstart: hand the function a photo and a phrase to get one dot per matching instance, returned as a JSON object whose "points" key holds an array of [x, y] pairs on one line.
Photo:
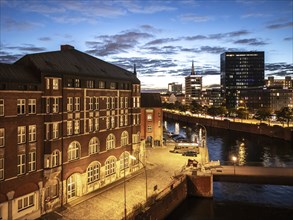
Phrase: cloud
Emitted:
{"points": [[251, 41], [26, 48], [279, 66], [9, 58], [161, 41], [218, 36], [288, 38], [113, 44], [212, 50], [151, 7], [10, 24], [45, 39], [254, 15], [194, 18], [280, 26]]}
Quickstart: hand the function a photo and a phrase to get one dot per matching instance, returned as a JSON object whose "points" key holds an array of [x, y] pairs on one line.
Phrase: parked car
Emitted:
{"points": [[189, 153]]}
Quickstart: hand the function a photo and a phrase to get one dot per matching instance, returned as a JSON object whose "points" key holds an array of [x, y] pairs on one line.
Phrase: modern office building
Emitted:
{"points": [[212, 97], [175, 88], [193, 87], [271, 98], [286, 83], [68, 125], [239, 71], [151, 119]]}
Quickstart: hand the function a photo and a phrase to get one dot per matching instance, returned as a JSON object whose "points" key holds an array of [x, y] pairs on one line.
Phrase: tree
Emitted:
{"points": [[195, 107], [262, 114], [242, 113], [285, 114], [213, 111]]}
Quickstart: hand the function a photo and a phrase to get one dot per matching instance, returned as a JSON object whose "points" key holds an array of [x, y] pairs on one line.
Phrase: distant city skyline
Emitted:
{"points": [[161, 37]]}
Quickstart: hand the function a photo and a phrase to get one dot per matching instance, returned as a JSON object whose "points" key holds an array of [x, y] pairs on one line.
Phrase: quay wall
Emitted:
{"points": [[175, 194], [261, 129]]}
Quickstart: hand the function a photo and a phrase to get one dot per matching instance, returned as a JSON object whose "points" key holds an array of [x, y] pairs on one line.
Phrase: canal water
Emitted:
{"points": [[239, 200]]}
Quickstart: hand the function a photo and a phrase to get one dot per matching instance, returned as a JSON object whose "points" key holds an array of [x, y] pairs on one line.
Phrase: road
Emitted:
{"points": [[161, 166]]}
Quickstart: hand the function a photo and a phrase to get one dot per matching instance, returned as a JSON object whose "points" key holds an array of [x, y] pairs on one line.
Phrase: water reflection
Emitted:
{"points": [[248, 148]]}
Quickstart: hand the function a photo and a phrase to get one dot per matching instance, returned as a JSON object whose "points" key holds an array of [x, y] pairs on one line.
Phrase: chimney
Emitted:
{"points": [[66, 47]]}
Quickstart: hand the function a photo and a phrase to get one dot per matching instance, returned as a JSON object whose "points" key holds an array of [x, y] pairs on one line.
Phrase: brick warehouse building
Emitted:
{"points": [[151, 119], [68, 124]]}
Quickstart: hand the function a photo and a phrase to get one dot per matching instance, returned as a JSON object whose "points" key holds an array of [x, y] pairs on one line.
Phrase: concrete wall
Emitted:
{"points": [[171, 197], [262, 129]]}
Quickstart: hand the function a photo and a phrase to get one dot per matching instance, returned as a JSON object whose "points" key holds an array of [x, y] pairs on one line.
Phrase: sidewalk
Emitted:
{"points": [[108, 203]]}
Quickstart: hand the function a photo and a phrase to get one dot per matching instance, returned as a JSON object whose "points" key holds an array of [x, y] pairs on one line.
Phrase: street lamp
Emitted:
{"points": [[234, 161], [146, 178], [203, 140]]}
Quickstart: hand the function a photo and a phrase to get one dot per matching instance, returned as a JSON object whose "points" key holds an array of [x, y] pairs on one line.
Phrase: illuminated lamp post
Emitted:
{"points": [[234, 161]]}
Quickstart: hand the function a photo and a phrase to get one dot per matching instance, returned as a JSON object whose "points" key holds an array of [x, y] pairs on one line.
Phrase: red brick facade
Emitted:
{"points": [[65, 137]]}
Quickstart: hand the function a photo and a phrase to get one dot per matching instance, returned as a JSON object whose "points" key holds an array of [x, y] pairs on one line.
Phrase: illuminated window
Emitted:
{"points": [[55, 84], [55, 105], [32, 133], [91, 103], [77, 103], [20, 106], [32, 106], [93, 172], [149, 117], [110, 142], [55, 158], [32, 161], [1, 107], [20, 164], [124, 138], [110, 166], [73, 150], [25, 202], [1, 170], [55, 130], [101, 84], [2, 137], [21, 134], [69, 104], [94, 146], [124, 160], [69, 128]]}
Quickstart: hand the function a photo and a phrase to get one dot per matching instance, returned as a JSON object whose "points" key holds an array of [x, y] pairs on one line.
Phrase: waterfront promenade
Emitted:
{"points": [[108, 203], [254, 174]]}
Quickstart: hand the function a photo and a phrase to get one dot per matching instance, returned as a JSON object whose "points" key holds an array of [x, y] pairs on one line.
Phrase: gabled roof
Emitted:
{"points": [[151, 100], [74, 62], [17, 73]]}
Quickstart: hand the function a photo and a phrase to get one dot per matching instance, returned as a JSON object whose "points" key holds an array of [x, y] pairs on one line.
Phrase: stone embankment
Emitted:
{"points": [[260, 129], [181, 187]]}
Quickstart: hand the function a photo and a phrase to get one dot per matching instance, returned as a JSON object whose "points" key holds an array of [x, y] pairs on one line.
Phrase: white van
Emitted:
{"points": [[183, 147]]}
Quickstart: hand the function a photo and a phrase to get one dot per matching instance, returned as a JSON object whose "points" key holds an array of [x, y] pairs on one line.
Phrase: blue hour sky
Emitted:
{"points": [[161, 37]]}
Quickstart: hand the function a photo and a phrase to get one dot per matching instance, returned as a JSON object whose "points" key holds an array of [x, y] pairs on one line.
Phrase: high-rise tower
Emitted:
{"points": [[193, 87], [240, 70]]}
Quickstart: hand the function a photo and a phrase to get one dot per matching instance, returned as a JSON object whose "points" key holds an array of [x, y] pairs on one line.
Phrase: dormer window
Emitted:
{"points": [[112, 85], [77, 83], [101, 84], [55, 84]]}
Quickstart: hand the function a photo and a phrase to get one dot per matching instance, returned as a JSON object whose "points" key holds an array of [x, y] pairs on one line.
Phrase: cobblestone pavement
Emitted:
{"points": [[161, 166]]}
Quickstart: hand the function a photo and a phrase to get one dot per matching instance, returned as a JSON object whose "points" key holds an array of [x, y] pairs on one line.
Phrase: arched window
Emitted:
{"points": [[124, 138], [55, 158], [110, 142], [124, 160], [110, 166], [94, 146], [93, 172], [71, 186], [73, 150]]}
